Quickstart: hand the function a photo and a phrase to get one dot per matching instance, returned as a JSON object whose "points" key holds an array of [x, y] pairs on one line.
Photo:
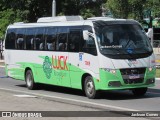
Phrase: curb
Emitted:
{"points": [[157, 78]]}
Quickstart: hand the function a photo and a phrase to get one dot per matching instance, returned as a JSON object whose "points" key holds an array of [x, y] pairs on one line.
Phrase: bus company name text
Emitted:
{"points": [[59, 62]]}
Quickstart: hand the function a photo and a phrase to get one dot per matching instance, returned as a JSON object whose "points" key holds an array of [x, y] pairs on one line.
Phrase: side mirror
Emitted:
{"points": [[85, 35], [150, 33]]}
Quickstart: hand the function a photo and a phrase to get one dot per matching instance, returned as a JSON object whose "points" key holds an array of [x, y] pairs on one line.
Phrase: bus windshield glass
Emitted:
{"points": [[123, 40]]}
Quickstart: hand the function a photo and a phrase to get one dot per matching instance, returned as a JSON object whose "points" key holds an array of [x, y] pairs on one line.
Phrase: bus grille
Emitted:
{"points": [[133, 75]]}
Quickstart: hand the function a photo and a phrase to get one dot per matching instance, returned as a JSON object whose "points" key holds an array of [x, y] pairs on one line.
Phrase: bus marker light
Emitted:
{"points": [[98, 80]]}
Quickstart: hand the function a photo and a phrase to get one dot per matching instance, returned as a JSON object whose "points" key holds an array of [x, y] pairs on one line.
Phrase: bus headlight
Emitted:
{"points": [[113, 71], [151, 68]]}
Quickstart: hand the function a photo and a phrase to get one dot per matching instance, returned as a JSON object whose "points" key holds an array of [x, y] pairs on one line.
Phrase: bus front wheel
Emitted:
{"points": [[30, 80], [139, 91], [89, 88]]}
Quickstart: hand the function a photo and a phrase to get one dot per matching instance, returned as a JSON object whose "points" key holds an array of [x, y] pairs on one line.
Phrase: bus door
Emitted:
{"points": [[74, 40], [89, 62]]}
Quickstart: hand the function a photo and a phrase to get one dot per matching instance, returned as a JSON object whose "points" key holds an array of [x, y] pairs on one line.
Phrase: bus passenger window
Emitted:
{"points": [[30, 32], [62, 42], [20, 39], [38, 41], [20, 43], [62, 46], [51, 40], [10, 39], [75, 37]]}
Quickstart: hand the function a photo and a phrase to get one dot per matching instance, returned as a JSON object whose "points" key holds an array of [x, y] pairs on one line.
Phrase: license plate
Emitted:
{"points": [[134, 76]]}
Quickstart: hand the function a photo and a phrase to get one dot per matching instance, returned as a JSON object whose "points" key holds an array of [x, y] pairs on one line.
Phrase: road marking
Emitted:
{"points": [[157, 78], [25, 96], [73, 100], [153, 93], [3, 76]]}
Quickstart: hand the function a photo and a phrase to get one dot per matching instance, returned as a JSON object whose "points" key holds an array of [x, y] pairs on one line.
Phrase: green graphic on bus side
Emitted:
{"points": [[47, 67]]}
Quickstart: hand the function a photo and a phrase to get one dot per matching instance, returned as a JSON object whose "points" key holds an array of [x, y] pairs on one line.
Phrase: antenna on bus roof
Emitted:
{"points": [[59, 19]]}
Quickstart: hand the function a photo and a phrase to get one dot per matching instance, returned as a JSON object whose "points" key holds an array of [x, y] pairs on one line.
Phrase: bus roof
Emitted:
{"points": [[59, 19], [68, 21]]}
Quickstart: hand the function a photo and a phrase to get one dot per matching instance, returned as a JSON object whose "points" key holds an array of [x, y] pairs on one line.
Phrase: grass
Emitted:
{"points": [[158, 73]]}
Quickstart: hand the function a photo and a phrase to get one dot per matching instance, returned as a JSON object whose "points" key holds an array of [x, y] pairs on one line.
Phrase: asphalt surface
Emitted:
{"points": [[14, 96]]}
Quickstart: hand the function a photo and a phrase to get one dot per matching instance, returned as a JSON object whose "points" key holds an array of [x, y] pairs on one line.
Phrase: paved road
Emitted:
{"points": [[52, 98]]}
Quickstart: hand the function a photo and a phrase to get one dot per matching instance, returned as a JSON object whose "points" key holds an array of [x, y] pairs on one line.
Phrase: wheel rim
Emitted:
{"points": [[90, 87], [29, 80]]}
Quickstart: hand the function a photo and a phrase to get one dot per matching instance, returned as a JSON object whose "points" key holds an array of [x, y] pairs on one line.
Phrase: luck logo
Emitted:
{"points": [[47, 67]]}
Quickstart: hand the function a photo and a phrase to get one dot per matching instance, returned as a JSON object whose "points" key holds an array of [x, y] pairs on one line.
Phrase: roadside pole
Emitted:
{"points": [[54, 8]]}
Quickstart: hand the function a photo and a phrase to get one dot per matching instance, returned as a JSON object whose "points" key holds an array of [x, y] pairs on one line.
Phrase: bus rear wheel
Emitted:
{"points": [[139, 91], [31, 85], [89, 88]]}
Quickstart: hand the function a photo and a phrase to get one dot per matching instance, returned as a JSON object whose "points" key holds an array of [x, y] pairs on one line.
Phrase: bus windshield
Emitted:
{"points": [[119, 41]]}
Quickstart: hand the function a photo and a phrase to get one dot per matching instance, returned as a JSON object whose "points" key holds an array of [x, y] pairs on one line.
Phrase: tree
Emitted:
{"points": [[85, 8], [119, 8], [137, 8], [7, 17], [153, 5]]}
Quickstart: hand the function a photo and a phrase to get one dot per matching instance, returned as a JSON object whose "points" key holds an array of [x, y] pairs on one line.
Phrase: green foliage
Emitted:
{"points": [[86, 13], [133, 8], [119, 8], [154, 6], [136, 9], [8, 17], [126, 8], [158, 73], [30, 10]]}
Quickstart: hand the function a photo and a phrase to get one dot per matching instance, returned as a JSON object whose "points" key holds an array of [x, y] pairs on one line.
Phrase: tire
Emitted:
{"points": [[29, 78], [139, 91], [89, 88]]}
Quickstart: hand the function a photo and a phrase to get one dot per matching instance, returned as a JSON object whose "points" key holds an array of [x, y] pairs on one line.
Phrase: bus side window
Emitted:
{"points": [[20, 35], [10, 39], [62, 39], [38, 41], [62, 42], [75, 37], [30, 33], [89, 46], [20, 42], [50, 39]]}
